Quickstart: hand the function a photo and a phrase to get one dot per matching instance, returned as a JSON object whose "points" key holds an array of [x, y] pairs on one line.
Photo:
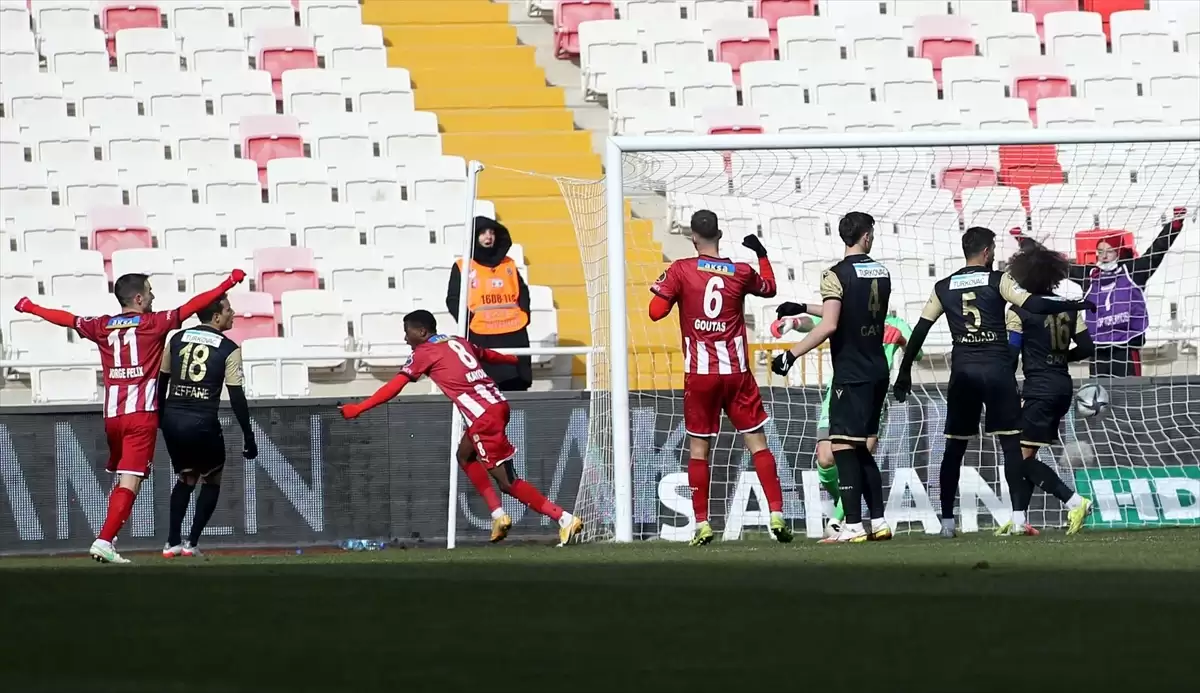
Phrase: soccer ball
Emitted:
{"points": [[1091, 400], [832, 527]]}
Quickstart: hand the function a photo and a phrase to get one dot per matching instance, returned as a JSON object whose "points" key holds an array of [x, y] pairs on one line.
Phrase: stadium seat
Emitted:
{"points": [[395, 227], [867, 117], [666, 121], [633, 95], [959, 177], [22, 186], [170, 96], [159, 264], [1104, 79], [339, 138], [1074, 37], [88, 184], [13, 148], [18, 54], [970, 79], [1188, 30], [423, 272], [670, 44], [65, 384], [1133, 112], [13, 17], [46, 231], [254, 316], [122, 15], [1005, 37], [379, 325], [845, 14], [568, 15], [256, 226], [78, 274], [933, 115], [17, 276], [267, 137], [1141, 36], [994, 207], [330, 13], [104, 96], [57, 16], [313, 92], [74, 55], [741, 41], [1174, 81], [317, 320], [284, 269], [772, 85], [33, 98], [715, 11], [1038, 78], [227, 183], [238, 94], [145, 50], [439, 184], [188, 232], [735, 120], [704, 85], [808, 40], [163, 184], [116, 227], [802, 118], [130, 142], [353, 271], [999, 114], [839, 85], [215, 52], [202, 271], [904, 80], [27, 335], [939, 37], [1135, 207], [352, 48], [197, 17], [252, 14], [61, 142], [543, 328], [1067, 113], [280, 48], [609, 45], [1040, 8], [775, 10], [272, 368], [296, 182], [199, 141], [876, 39], [381, 93], [1057, 213], [368, 182]]}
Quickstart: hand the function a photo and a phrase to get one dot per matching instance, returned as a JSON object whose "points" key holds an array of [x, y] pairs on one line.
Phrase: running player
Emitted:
{"points": [[1043, 343], [194, 366], [981, 372], [711, 292], [453, 364], [131, 346], [855, 294], [895, 335]]}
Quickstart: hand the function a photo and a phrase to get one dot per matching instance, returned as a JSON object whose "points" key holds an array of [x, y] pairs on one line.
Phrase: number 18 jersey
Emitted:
{"points": [[453, 364], [711, 293]]}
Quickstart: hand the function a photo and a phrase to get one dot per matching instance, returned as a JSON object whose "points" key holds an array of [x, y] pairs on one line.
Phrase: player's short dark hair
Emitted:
{"points": [[422, 318], [977, 239], [854, 226], [704, 225], [1038, 269], [129, 285], [207, 313]]}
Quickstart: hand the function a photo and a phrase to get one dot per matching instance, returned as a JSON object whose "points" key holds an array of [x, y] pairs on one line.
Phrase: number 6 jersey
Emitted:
{"points": [[711, 293], [200, 360], [454, 365]]}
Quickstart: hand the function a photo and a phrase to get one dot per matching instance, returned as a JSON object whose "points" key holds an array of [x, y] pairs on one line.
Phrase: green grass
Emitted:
{"points": [[1098, 612]]}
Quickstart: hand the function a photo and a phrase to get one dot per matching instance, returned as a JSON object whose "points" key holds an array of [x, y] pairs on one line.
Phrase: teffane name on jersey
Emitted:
{"points": [[716, 267], [120, 322], [870, 270], [969, 281]]}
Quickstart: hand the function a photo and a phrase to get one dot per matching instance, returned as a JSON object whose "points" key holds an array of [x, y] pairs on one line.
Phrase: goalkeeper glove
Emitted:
{"points": [[787, 309], [781, 364], [753, 243]]}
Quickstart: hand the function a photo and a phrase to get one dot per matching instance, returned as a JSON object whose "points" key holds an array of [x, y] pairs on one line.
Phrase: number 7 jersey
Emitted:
{"points": [[453, 364], [711, 294]]}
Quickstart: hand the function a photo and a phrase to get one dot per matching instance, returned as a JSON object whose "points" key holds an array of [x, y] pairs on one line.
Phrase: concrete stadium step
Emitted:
{"points": [[419, 57], [497, 183], [439, 98], [488, 145], [466, 36], [512, 120], [485, 77], [434, 12], [585, 166]]}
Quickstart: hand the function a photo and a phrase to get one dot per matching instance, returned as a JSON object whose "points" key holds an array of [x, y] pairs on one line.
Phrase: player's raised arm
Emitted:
{"points": [[492, 356], [929, 315], [199, 301], [1040, 305], [389, 390], [763, 284], [61, 318], [1031, 277], [1084, 347]]}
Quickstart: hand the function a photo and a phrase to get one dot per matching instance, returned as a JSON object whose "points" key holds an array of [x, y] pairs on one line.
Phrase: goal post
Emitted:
{"points": [[1070, 189]]}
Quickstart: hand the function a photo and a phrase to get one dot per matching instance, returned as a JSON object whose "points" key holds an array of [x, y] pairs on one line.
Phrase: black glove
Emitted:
{"points": [[787, 309], [902, 387], [753, 243], [1091, 307], [250, 449], [781, 364]]}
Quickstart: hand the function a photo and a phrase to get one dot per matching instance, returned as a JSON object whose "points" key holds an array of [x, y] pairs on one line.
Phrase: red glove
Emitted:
{"points": [[24, 305], [1177, 218], [892, 336], [351, 411], [237, 276]]}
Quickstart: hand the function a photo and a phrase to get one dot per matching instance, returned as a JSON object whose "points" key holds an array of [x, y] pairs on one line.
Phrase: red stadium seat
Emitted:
{"points": [[939, 37], [1036, 78], [1105, 8], [956, 179], [266, 137], [127, 14], [568, 15], [1024, 166], [1040, 8], [281, 48], [116, 228], [284, 269], [254, 316], [1085, 243], [743, 49], [774, 10]]}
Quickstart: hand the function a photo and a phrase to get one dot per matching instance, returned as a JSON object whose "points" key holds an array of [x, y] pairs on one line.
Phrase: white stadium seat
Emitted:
{"points": [[33, 98], [159, 264], [1074, 37], [189, 231], [648, 12], [227, 183], [368, 182], [128, 143], [330, 13], [1058, 212], [422, 271], [808, 40], [214, 52], [324, 227], [932, 115], [408, 135], [353, 271], [272, 368], [251, 14], [339, 138], [238, 94], [633, 95], [379, 324], [313, 92], [197, 17], [257, 226], [1141, 36], [1104, 79], [158, 186], [317, 320], [671, 44], [352, 47], [18, 277], [971, 79], [54, 16], [13, 148], [845, 14], [89, 184], [18, 53], [104, 96], [1172, 80], [1067, 112], [395, 227], [608, 45], [170, 96], [61, 142], [199, 141], [202, 271], [381, 93], [1134, 112], [74, 55], [22, 185], [840, 85], [704, 85], [145, 49], [71, 275], [1005, 36], [876, 39], [904, 80], [13, 17], [46, 231], [997, 208], [439, 184], [665, 121], [1000, 114], [772, 85], [297, 182]]}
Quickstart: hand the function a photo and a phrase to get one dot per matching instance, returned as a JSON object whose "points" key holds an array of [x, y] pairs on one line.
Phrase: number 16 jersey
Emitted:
{"points": [[711, 293]]}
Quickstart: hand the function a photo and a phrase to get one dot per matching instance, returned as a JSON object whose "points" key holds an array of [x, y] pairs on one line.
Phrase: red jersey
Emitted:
{"points": [[453, 364], [131, 348], [711, 293]]}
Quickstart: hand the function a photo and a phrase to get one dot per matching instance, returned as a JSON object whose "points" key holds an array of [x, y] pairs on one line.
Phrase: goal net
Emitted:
{"points": [[1078, 195]]}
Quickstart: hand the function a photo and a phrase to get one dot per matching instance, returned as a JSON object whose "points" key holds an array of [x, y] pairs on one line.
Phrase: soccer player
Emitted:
{"points": [[453, 364], [131, 346], [711, 292], [974, 300], [1043, 343], [895, 335], [855, 294], [194, 366]]}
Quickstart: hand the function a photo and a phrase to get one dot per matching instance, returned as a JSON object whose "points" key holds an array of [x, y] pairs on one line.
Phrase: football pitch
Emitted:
{"points": [[1097, 612]]}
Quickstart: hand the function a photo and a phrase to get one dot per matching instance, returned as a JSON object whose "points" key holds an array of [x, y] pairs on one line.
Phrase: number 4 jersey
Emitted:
{"points": [[131, 347], [711, 294], [453, 364]]}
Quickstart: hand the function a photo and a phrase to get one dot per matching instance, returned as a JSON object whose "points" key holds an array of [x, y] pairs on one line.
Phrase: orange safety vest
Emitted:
{"points": [[492, 298]]}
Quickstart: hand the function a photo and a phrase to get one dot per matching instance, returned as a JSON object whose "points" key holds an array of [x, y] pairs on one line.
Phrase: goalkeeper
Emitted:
{"points": [[790, 316]]}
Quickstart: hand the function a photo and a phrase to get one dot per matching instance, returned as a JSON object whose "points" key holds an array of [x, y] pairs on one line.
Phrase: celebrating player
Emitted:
{"points": [[197, 361], [981, 373], [131, 346], [1043, 343], [855, 294], [711, 292], [895, 335], [453, 364]]}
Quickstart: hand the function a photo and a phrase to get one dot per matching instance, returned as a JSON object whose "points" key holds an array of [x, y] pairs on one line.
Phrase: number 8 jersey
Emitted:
{"points": [[453, 364], [711, 295]]}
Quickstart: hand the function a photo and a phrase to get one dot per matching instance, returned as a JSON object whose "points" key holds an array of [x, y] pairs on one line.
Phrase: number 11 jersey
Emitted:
{"points": [[131, 348], [453, 364], [711, 293]]}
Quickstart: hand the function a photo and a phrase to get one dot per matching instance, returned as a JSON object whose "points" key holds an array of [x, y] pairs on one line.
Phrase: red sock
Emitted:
{"points": [[482, 482], [698, 480], [768, 476], [120, 504], [528, 494]]}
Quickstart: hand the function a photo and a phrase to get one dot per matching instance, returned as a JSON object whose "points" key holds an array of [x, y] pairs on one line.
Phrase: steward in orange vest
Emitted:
{"points": [[497, 302]]}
